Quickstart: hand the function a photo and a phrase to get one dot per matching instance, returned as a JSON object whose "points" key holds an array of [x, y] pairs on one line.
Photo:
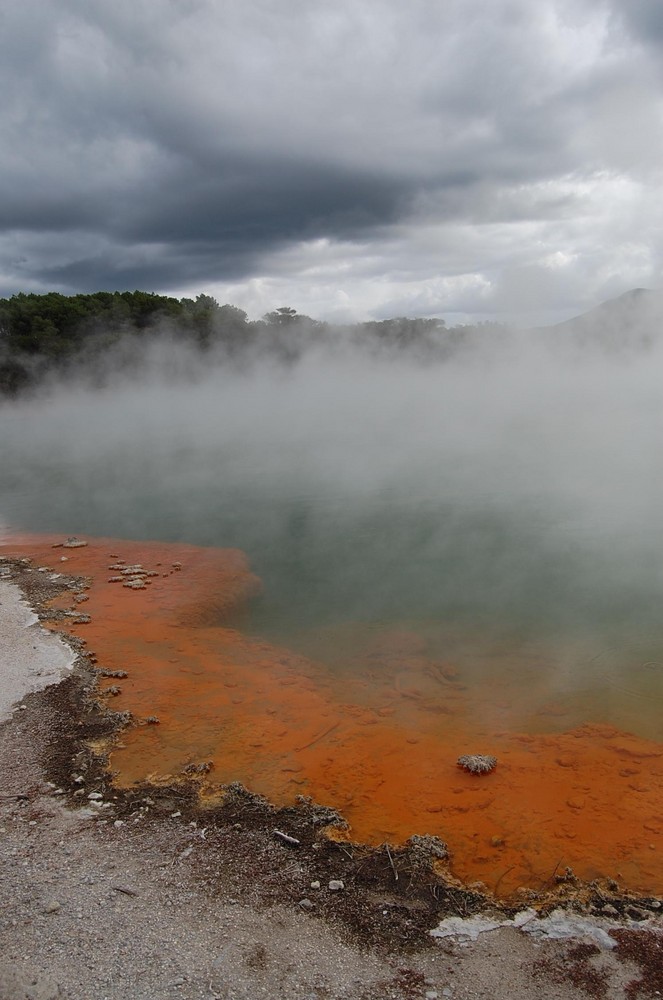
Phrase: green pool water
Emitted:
{"points": [[510, 515]]}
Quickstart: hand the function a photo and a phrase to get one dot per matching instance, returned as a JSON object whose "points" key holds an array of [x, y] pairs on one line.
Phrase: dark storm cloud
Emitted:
{"points": [[180, 142], [266, 202], [201, 226], [644, 18], [209, 231]]}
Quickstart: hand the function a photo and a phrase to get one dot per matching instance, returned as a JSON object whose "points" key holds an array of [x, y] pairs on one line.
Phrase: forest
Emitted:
{"points": [[54, 334]]}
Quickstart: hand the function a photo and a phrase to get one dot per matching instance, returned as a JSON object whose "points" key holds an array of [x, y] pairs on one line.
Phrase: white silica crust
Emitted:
{"points": [[477, 763], [30, 657], [558, 925]]}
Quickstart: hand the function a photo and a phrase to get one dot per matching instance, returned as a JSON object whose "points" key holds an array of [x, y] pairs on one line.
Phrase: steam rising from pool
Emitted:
{"points": [[509, 508]]}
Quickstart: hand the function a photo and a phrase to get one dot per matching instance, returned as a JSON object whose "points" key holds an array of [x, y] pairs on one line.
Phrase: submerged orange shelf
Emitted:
{"points": [[377, 739]]}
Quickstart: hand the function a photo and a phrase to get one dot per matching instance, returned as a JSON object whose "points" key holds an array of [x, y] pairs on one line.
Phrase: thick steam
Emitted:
{"points": [[517, 494]]}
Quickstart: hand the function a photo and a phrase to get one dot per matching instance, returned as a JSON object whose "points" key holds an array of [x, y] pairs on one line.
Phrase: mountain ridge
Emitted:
{"points": [[635, 305]]}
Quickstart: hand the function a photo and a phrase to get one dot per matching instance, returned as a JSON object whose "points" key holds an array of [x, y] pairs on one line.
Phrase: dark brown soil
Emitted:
{"points": [[645, 949]]}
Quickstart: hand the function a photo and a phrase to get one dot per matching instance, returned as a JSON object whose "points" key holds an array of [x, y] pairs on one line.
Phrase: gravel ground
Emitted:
{"points": [[104, 898]]}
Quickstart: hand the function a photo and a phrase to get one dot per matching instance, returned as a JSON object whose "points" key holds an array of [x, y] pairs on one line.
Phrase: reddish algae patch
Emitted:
{"points": [[379, 742]]}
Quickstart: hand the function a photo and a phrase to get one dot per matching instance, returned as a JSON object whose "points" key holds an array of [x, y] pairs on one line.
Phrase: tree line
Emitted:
{"points": [[50, 333]]}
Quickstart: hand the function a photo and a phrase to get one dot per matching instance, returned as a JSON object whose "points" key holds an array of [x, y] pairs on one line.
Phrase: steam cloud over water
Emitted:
{"points": [[519, 494]]}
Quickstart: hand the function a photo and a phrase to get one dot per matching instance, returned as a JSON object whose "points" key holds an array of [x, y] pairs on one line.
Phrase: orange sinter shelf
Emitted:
{"points": [[378, 740]]}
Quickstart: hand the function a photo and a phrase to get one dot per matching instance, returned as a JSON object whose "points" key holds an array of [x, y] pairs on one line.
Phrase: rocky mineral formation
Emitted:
{"points": [[477, 763]]}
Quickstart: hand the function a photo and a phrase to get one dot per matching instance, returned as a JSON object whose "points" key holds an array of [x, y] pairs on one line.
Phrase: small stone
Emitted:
{"points": [[336, 884], [432, 994], [576, 803], [52, 907], [306, 904], [315, 885], [118, 823], [95, 795]]}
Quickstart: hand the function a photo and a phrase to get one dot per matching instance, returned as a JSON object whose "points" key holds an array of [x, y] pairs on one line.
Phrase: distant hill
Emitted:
{"points": [[634, 319]]}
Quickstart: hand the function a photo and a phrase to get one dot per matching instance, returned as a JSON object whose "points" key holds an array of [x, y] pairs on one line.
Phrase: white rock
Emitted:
{"points": [[335, 885], [561, 924], [558, 925], [467, 928]]}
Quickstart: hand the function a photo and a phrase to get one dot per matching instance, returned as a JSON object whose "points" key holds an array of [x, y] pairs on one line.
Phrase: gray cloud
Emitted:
{"points": [[644, 18], [189, 146]]}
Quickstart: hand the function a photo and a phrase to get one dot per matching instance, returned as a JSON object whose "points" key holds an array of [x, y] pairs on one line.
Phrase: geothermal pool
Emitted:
{"points": [[454, 560]]}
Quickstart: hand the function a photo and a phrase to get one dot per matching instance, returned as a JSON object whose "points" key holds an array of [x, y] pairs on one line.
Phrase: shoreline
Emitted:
{"points": [[205, 703], [33, 658], [375, 916], [60, 584]]}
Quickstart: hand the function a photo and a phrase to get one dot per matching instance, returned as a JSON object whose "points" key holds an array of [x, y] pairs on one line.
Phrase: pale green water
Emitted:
{"points": [[515, 523]]}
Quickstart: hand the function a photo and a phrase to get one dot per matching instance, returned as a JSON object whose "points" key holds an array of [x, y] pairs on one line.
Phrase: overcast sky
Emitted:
{"points": [[355, 159]]}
